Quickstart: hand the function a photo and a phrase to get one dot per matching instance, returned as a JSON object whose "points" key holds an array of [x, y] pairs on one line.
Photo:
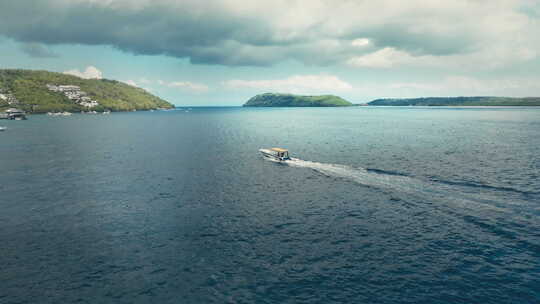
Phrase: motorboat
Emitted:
{"points": [[3, 128], [278, 154], [15, 114]]}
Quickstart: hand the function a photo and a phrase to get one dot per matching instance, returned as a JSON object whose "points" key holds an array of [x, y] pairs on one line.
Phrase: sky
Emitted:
{"points": [[222, 52]]}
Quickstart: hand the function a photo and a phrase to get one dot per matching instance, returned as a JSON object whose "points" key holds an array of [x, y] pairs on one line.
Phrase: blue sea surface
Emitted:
{"points": [[378, 205]]}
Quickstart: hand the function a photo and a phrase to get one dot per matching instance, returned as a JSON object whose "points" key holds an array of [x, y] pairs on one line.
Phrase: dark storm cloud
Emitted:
{"points": [[152, 31], [221, 32]]}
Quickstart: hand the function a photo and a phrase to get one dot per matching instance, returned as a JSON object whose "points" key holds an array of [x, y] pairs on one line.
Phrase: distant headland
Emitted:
{"points": [[290, 100], [458, 101], [43, 91]]}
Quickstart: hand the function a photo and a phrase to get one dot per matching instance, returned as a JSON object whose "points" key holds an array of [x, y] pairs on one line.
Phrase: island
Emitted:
{"points": [[290, 100], [44, 91], [458, 101]]}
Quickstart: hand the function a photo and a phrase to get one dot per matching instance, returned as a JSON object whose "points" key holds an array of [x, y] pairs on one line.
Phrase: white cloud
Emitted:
{"points": [[384, 58], [91, 72], [455, 85], [490, 86], [131, 83], [360, 42], [294, 84], [188, 85], [496, 57], [192, 86]]}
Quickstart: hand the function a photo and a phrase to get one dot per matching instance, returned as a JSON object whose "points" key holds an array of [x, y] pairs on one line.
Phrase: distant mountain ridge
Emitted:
{"points": [[290, 100], [458, 101], [27, 89]]}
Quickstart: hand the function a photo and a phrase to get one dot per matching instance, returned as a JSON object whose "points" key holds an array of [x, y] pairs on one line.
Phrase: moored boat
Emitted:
{"points": [[15, 114]]}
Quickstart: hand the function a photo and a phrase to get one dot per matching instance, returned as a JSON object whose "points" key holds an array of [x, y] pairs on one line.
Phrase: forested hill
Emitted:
{"points": [[27, 89], [290, 100], [458, 101]]}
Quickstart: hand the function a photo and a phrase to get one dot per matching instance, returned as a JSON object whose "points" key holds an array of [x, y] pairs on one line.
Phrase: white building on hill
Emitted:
{"points": [[75, 94]]}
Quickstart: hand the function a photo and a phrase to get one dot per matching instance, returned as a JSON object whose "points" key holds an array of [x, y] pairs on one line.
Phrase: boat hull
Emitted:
{"points": [[272, 155]]}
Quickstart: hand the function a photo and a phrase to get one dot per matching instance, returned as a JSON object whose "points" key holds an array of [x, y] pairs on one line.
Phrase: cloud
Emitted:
{"points": [[131, 83], [360, 42], [314, 32], [37, 50], [384, 58], [187, 85], [306, 84], [495, 86], [192, 86], [136, 83], [91, 72], [454, 85]]}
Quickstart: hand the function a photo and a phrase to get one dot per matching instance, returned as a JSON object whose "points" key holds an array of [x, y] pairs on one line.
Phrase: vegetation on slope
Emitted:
{"points": [[458, 101], [289, 100], [29, 87]]}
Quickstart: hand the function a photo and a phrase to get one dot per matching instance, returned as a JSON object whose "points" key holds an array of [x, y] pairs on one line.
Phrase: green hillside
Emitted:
{"points": [[290, 100], [29, 88], [458, 101]]}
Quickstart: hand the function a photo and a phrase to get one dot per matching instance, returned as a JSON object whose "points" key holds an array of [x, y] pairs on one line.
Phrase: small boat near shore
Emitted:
{"points": [[278, 154], [59, 113], [3, 128], [13, 114]]}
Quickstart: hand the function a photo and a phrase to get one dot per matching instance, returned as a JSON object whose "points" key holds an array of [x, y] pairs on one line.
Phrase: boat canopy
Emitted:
{"points": [[13, 111], [276, 153]]}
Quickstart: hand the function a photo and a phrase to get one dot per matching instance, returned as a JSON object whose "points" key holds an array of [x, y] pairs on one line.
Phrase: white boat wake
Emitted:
{"points": [[476, 203], [402, 183], [362, 176]]}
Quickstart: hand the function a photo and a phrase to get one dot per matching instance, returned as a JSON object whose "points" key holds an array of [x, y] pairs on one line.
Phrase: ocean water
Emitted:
{"points": [[378, 205]]}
